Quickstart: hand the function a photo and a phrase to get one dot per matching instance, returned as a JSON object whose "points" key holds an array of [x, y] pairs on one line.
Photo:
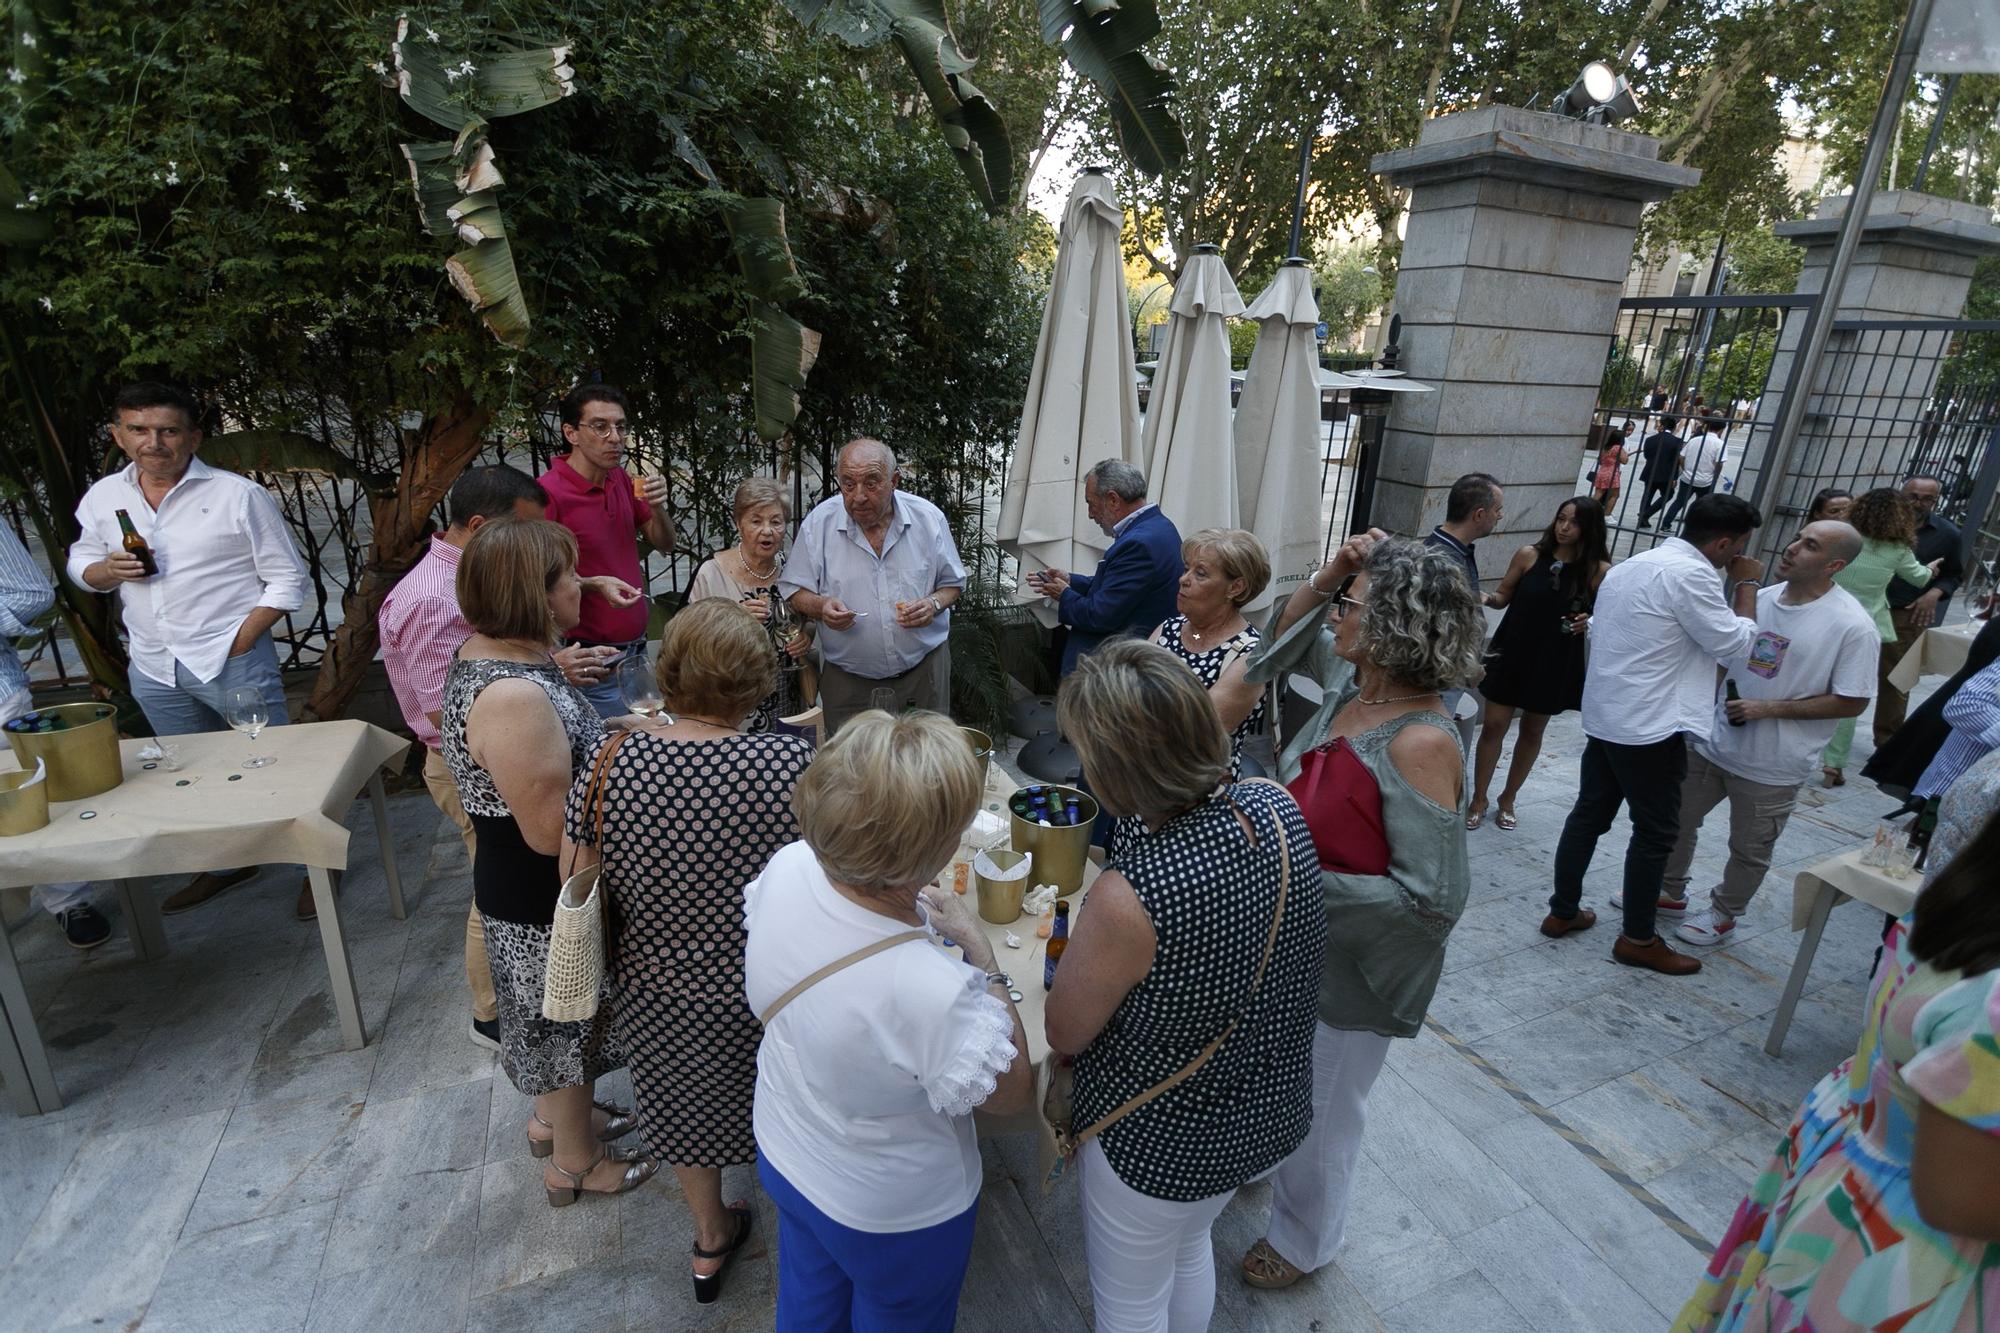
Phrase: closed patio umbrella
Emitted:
{"points": [[1083, 401], [1190, 460], [1278, 432]]}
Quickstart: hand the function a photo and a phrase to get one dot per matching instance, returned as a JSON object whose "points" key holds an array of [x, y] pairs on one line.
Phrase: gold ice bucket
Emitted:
{"points": [[982, 750], [1000, 899], [82, 757], [24, 801], [1058, 852]]}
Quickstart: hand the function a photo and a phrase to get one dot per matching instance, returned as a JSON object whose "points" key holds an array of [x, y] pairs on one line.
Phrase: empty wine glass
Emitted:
{"points": [[245, 710], [638, 687]]}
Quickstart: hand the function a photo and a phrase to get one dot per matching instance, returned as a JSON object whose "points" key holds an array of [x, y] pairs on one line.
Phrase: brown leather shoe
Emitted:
{"points": [[308, 910], [1654, 955], [203, 887], [1555, 927]]}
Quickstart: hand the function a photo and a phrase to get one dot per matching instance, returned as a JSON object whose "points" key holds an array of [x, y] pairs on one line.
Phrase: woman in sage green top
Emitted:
{"points": [[1888, 527], [1379, 774]]}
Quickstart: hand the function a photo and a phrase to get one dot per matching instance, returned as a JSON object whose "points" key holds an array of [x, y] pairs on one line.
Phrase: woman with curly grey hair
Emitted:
{"points": [[1379, 774]]}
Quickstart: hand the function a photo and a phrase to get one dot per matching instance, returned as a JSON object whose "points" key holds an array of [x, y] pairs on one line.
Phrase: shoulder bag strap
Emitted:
{"points": [[1188, 1070], [838, 964], [593, 797]]}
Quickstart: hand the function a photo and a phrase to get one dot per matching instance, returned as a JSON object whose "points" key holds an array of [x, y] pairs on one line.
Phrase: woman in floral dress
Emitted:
{"points": [[1880, 1209]]}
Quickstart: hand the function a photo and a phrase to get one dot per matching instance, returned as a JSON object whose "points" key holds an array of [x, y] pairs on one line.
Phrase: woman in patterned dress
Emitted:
{"points": [[1160, 968], [1380, 776], [747, 574], [1880, 1208], [693, 809], [515, 732], [1224, 570]]}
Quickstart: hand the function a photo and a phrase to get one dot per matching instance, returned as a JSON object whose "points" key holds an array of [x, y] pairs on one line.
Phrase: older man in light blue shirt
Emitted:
{"points": [[878, 569]]}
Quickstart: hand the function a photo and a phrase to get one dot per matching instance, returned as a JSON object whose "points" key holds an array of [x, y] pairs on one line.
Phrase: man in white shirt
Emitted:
{"points": [[1700, 465], [1811, 664], [228, 571], [1662, 621]]}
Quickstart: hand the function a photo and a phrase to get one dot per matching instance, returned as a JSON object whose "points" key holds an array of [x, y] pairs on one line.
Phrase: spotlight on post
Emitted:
{"points": [[1621, 105], [1597, 85]]}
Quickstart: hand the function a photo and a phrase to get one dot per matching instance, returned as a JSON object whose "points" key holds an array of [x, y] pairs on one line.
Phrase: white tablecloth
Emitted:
{"points": [[1940, 652]]}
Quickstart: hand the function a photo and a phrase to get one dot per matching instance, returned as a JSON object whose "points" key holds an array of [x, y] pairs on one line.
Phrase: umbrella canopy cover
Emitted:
{"points": [[1190, 464], [1278, 431], [1083, 401]]}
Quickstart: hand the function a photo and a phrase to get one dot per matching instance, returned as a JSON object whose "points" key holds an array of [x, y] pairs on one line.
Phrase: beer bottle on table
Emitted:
{"points": [[1058, 941], [135, 545]]}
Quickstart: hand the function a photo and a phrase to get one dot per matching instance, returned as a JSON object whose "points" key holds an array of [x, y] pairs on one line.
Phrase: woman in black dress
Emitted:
{"points": [[1535, 662]]}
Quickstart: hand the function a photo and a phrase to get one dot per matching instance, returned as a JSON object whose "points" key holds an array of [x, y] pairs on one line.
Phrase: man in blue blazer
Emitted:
{"points": [[1134, 587]]}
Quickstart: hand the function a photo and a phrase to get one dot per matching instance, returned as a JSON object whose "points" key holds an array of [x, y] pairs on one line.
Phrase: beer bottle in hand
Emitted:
{"points": [[1730, 695], [135, 545]]}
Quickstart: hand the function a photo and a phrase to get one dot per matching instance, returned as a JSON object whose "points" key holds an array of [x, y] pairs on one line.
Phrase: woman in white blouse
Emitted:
{"points": [[878, 1044]]}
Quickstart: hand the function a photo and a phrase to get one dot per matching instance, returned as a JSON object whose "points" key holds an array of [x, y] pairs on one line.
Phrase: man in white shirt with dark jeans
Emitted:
{"points": [[1662, 621], [1811, 664], [228, 572]]}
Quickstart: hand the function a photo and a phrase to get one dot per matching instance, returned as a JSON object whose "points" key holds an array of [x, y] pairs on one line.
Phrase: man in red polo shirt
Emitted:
{"points": [[591, 495]]}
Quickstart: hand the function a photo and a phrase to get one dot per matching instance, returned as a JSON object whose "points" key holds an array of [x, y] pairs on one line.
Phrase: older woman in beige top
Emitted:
{"points": [[747, 574]]}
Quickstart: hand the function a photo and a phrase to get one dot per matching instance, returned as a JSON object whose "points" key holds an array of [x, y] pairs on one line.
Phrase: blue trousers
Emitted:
{"points": [[190, 705], [834, 1279]]}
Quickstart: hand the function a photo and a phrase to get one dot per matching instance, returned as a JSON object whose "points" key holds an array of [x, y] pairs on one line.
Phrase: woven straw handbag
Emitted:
{"points": [[575, 975]]}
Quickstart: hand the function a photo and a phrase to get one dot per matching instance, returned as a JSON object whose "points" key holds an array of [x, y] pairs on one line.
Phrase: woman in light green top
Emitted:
{"points": [[1379, 773], [1888, 527]]}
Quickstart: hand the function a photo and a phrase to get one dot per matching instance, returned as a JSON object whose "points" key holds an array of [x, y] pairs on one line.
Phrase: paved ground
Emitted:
{"points": [[221, 1164]]}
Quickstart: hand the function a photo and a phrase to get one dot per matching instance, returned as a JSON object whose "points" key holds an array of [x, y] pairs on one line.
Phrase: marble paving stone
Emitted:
{"points": [[279, 1076], [1058, 1214], [1004, 1290], [656, 1231], [591, 1298], [1576, 1048], [1616, 1227], [1653, 1119], [125, 1194], [1470, 1010], [424, 1044], [422, 1211], [1460, 1304], [1734, 1064], [522, 1239], [33, 1160], [256, 1277], [1706, 1189], [1391, 1249], [305, 1023], [1326, 1299], [1551, 1278], [425, 1291], [1495, 927], [1440, 1169], [1460, 1091]]}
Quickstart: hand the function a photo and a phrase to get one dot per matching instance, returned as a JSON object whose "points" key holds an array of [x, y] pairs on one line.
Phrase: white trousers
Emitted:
{"points": [[1152, 1262], [1309, 1193]]}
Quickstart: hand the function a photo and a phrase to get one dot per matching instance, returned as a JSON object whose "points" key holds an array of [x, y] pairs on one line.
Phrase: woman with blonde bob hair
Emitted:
{"points": [[1223, 570], [514, 734], [878, 1045], [1379, 772], [693, 808], [747, 574], [1161, 968]]}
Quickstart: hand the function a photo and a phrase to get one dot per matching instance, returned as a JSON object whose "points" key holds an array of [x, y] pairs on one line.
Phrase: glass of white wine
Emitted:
{"points": [[245, 710], [638, 687], [786, 629]]}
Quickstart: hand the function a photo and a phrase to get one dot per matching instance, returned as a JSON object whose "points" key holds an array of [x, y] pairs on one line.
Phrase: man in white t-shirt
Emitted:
{"points": [[1810, 665], [1700, 465]]}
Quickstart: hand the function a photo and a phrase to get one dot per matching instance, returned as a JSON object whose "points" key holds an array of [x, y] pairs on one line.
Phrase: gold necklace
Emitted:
{"points": [[764, 577], [1197, 635], [1399, 699]]}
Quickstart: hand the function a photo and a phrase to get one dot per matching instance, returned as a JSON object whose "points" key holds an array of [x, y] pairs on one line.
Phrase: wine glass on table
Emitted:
{"points": [[245, 710], [638, 687]]}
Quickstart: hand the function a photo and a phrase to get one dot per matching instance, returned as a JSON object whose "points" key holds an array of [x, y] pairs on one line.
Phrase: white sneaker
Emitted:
{"points": [[1710, 926], [1668, 906]]}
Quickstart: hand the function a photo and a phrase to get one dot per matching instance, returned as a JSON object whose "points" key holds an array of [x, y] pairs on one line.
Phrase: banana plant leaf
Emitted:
{"points": [[434, 181], [472, 156], [1104, 41], [782, 352], [504, 79], [485, 276], [286, 451], [477, 218], [685, 149], [921, 30], [763, 250]]}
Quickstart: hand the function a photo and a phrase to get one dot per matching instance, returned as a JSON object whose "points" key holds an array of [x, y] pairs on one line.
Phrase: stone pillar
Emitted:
{"points": [[1521, 231], [1914, 262]]}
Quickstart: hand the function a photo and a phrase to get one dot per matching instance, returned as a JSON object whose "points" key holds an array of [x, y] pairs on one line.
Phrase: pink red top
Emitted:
{"points": [[606, 518], [421, 627]]}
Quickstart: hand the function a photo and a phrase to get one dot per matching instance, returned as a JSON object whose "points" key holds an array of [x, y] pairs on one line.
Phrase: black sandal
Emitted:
{"points": [[708, 1286]]}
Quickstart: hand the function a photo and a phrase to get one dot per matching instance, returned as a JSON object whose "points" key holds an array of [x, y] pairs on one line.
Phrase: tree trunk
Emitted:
{"points": [[449, 443]]}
